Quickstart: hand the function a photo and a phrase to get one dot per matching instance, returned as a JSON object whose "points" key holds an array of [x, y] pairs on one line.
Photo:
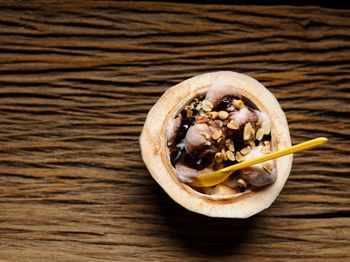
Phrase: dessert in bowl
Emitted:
{"points": [[211, 121]]}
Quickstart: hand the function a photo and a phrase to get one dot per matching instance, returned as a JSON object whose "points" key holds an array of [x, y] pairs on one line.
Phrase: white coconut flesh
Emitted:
{"points": [[231, 198]]}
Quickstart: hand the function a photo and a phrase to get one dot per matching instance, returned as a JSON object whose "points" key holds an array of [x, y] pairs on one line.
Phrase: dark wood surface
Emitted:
{"points": [[76, 82]]}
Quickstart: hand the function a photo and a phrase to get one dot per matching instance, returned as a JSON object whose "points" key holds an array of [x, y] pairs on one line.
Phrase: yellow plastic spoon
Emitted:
{"points": [[219, 176]]}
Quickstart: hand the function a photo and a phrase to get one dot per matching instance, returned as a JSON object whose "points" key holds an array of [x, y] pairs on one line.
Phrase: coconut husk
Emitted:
{"points": [[155, 152]]}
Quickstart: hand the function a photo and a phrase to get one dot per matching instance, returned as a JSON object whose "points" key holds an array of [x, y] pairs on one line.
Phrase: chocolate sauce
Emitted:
{"points": [[224, 103], [176, 154], [186, 123]]}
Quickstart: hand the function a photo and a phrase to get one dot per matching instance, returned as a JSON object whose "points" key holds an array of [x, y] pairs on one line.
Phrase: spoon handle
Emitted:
{"points": [[219, 176]]}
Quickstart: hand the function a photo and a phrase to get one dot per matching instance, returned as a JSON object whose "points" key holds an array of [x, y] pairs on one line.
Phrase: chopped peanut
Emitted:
{"points": [[230, 155], [233, 125], [238, 104], [207, 105], [223, 115], [217, 134], [247, 131], [259, 134]]}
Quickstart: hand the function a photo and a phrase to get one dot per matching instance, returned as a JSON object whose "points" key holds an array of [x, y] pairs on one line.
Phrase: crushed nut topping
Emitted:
{"points": [[213, 114], [223, 115], [252, 133], [224, 154], [245, 150], [229, 144], [219, 157], [238, 104], [247, 131], [217, 134], [239, 157], [266, 126], [259, 134], [207, 105], [188, 110], [230, 156], [233, 125]]}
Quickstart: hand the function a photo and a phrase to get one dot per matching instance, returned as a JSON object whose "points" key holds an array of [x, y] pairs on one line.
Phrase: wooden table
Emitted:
{"points": [[77, 80]]}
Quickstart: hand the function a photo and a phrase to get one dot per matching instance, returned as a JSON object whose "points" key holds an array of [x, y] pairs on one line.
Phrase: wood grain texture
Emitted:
{"points": [[76, 82]]}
